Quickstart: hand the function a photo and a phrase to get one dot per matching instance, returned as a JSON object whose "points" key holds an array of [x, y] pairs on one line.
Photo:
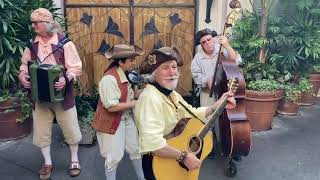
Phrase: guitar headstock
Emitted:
{"points": [[233, 84]]}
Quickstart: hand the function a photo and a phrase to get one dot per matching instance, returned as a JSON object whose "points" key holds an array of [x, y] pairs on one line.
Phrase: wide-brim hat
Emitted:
{"points": [[158, 56], [120, 51], [202, 33]]}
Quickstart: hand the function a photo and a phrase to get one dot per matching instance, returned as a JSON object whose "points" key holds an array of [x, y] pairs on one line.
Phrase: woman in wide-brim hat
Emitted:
{"points": [[114, 123]]}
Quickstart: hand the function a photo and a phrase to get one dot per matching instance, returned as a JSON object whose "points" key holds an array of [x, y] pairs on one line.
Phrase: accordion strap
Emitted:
{"points": [[64, 40]]}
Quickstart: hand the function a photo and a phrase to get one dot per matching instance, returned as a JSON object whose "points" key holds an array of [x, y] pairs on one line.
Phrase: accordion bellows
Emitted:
{"points": [[43, 78]]}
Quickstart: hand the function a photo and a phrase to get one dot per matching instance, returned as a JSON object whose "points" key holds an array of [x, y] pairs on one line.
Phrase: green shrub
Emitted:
{"points": [[20, 98], [304, 85], [86, 103], [264, 85], [292, 92]]}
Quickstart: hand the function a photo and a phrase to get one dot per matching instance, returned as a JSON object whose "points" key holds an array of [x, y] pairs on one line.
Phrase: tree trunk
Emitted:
{"points": [[263, 32]]}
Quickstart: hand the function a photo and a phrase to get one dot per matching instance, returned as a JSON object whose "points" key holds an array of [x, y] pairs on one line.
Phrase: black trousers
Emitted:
{"points": [[147, 167]]}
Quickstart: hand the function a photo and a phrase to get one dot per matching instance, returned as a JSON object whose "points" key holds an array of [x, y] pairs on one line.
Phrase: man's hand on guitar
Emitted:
{"points": [[231, 102], [191, 161]]}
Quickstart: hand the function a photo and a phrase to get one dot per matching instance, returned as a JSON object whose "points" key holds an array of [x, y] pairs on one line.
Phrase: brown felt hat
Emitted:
{"points": [[202, 33], [158, 56], [120, 51]]}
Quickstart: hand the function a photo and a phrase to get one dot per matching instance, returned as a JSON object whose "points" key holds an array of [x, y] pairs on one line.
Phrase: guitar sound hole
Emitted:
{"points": [[194, 144]]}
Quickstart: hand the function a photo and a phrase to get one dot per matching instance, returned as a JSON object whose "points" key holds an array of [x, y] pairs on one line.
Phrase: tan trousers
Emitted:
{"points": [[112, 146], [43, 116]]}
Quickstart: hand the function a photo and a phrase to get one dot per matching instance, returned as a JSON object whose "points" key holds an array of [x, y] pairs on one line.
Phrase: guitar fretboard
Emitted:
{"points": [[215, 116]]}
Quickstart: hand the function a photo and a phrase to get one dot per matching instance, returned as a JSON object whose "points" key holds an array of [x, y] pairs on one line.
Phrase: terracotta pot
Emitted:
{"points": [[9, 128], [260, 108], [314, 79], [287, 107], [307, 99]]}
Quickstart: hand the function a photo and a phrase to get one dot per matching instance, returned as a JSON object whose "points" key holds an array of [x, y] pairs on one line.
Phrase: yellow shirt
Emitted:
{"points": [[156, 116]]}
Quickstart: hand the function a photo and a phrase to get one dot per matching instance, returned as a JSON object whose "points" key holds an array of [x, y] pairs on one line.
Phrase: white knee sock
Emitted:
{"points": [[74, 152], [111, 175], [46, 155], [137, 165]]}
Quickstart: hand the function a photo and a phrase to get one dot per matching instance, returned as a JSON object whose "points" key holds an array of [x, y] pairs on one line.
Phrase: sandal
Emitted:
{"points": [[74, 169], [45, 171]]}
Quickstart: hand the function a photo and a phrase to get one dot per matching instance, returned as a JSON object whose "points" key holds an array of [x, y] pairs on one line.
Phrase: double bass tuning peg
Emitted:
{"points": [[234, 4]]}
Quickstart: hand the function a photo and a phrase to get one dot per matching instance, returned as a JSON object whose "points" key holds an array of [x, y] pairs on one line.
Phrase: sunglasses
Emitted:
{"points": [[206, 40]]}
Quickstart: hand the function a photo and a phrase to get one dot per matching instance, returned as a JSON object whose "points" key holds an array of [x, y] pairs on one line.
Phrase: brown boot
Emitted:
{"points": [[45, 171]]}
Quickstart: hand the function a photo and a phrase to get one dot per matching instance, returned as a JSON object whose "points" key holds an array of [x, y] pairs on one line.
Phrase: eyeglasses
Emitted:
{"points": [[206, 40], [37, 22]]}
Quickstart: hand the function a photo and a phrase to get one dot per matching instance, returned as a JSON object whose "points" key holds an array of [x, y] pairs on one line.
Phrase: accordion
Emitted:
{"points": [[43, 78]]}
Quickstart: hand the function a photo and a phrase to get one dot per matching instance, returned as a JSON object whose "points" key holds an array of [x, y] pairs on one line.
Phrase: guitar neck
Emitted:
{"points": [[215, 116]]}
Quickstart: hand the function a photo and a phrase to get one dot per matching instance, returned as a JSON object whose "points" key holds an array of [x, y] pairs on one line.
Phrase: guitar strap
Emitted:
{"points": [[189, 111]]}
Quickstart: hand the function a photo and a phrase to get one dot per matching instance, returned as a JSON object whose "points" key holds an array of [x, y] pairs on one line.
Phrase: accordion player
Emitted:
{"points": [[43, 78]]}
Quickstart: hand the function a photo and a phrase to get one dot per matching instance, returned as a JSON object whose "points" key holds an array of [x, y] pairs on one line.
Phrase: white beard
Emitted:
{"points": [[171, 85]]}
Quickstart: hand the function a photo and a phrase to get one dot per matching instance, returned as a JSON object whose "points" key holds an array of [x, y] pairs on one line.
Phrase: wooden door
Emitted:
{"points": [[95, 25]]}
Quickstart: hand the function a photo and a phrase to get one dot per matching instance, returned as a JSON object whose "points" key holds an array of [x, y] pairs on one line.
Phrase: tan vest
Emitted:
{"points": [[105, 121]]}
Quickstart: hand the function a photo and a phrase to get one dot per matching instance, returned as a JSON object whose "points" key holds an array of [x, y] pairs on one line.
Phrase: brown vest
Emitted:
{"points": [[69, 100], [105, 121]]}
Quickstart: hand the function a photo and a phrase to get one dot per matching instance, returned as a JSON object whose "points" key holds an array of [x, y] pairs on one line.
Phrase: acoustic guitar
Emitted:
{"points": [[194, 137]]}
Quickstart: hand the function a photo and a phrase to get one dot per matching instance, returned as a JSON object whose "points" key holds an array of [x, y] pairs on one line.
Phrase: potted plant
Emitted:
{"points": [[307, 97], [261, 101], [254, 37], [314, 78], [288, 105], [86, 103], [300, 55], [15, 115]]}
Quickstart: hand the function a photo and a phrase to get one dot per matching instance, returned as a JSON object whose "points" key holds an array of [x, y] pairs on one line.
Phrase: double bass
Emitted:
{"points": [[235, 131]]}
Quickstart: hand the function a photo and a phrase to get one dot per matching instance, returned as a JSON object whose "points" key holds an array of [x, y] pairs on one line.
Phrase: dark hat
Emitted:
{"points": [[158, 56], [119, 51], [202, 33]]}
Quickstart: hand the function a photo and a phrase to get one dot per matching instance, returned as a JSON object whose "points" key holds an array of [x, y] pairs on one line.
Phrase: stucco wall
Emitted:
{"points": [[59, 4], [219, 12]]}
